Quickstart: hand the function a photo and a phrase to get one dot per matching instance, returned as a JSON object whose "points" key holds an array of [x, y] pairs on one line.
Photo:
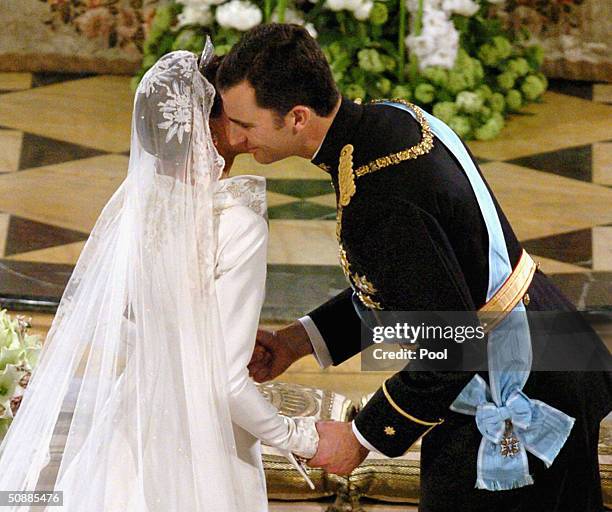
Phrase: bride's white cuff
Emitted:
{"points": [[303, 437]]}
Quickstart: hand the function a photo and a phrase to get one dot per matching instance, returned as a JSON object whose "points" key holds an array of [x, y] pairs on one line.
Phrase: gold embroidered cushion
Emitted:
{"points": [[282, 479]]}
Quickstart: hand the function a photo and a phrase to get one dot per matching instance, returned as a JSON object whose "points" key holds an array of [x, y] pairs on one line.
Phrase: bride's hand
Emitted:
{"points": [[275, 351]]}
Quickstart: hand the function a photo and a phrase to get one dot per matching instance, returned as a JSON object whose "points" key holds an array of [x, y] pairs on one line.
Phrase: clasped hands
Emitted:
{"points": [[339, 450]]}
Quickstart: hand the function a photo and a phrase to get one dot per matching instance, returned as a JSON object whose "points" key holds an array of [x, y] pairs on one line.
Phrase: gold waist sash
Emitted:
{"points": [[511, 292]]}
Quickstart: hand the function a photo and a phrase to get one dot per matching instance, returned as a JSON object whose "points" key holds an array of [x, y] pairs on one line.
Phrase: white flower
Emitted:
{"points": [[362, 13], [443, 59], [335, 5], [239, 14], [437, 22], [468, 101], [311, 30], [421, 45], [438, 42], [445, 54], [195, 15], [352, 5], [463, 7], [339, 5]]}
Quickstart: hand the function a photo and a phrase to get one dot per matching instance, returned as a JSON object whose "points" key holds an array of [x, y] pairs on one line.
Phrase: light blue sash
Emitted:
{"points": [[535, 426]]}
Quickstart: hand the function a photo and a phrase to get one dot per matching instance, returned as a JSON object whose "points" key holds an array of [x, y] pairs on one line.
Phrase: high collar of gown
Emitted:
{"points": [[246, 190]]}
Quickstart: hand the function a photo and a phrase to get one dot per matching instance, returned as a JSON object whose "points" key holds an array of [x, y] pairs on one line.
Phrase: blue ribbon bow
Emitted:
{"points": [[536, 428], [491, 419]]}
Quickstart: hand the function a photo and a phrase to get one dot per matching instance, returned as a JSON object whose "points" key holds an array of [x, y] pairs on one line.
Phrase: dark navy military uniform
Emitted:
{"points": [[414, 239]]}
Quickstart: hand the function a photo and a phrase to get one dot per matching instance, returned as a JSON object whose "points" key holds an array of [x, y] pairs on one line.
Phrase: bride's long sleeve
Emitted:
{"points": [[240, 283]]}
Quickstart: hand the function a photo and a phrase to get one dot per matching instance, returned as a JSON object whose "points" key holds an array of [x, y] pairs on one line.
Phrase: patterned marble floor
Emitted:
{"points": [[64, 142]]}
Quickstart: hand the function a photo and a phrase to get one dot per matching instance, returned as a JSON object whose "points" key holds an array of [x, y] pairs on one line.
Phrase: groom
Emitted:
{"points": [[413, 236]]}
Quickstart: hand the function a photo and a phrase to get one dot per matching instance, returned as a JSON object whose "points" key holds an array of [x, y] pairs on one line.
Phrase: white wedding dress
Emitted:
{"points": [[240, 207], [151, 341]]}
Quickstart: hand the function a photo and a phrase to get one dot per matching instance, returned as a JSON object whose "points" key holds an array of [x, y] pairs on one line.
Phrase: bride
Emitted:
{"points": [[156, 328]]}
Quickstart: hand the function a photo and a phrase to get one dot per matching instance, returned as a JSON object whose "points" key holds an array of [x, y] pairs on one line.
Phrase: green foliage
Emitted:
{"points": [[497, 102], [445, 110], [491, 128], [533, 87], [514, 100], [461, 125], [403, 92], [379, 14], [424, 93], [371, 61], [495, 73]]}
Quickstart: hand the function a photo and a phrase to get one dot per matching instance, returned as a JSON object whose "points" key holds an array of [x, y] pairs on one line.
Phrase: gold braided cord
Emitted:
{"points": [[404, 413], [422, 148]]}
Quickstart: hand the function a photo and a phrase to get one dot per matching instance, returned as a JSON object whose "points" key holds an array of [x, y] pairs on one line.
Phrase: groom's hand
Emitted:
{"points": [[339, 450], [275, 351]]}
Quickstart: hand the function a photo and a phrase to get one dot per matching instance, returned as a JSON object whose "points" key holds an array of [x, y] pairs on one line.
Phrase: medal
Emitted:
{"points": [[510, 444]]}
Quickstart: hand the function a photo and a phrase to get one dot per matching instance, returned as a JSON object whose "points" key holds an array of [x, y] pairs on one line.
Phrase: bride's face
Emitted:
{"points": [[219, 127]]}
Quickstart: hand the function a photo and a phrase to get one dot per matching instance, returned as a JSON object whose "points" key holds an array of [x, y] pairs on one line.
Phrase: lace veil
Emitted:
{"points": [[137, 330]]}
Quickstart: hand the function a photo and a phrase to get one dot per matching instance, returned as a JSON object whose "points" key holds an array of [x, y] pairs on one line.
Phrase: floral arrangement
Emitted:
{"points": [[111, 23], [19, 353], [458, 59]]}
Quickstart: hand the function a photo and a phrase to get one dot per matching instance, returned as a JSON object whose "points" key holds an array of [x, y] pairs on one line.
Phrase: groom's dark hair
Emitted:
{"points": [[284, 65]]}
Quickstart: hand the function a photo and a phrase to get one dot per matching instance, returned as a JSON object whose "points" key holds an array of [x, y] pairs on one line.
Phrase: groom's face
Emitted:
{"points": [[266, 135]]}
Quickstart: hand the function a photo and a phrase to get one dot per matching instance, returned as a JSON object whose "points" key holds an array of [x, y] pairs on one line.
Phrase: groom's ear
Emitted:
{"points": [[299, 117]]}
